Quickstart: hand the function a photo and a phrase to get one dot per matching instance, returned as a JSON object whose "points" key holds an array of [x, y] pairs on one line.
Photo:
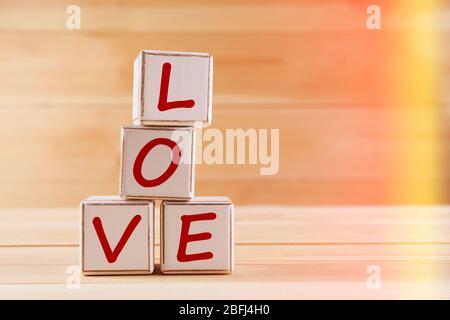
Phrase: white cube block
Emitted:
{"points": [[117, 236], [172, 88], [157, 162], [197, 236]]}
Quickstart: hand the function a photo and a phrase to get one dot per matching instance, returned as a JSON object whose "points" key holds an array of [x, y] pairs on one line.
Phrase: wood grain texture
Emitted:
{"points": [[281, 253], [327, 156], [310, 69], [260, 224]]}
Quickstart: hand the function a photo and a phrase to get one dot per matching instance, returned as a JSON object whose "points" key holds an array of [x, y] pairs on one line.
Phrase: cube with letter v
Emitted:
{"points": [[117, 236]]}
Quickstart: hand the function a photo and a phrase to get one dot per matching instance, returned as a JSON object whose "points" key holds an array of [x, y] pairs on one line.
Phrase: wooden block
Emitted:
{"points": [[172, 88], [117, 236], [157, 162], [197, 236]]}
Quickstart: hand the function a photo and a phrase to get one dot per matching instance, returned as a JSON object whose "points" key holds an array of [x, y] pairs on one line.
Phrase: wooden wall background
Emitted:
{"points": [[310, 68]]}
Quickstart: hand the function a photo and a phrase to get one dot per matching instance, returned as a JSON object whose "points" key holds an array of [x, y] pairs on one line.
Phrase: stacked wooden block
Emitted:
{"points": [[172, 91]]}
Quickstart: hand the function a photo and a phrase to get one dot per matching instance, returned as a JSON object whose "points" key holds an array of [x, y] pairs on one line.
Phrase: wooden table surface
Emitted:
{"points": [[281, 252]]}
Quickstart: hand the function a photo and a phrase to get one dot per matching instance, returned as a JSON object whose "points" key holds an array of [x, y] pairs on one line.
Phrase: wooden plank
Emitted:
{"points": [[41, 272], [252, 67], [76, 151], [140, 16], [317, 60], [257, 256], [313, 193], [283, 59], [264, 224], [246, 290], [315, 144], [243, 192]]}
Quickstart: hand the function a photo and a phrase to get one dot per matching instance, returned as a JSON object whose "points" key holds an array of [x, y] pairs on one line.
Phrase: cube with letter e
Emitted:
{"points": [[197, 236]]}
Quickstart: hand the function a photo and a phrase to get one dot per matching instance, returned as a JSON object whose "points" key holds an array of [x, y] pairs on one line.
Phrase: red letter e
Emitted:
{"points": [[185, 237]]}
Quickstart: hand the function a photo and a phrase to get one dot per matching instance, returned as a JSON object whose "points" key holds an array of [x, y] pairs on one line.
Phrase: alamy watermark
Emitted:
{"points": [[235, 146], [73, 281], [73, 21], [373, 281], [373, 21]]}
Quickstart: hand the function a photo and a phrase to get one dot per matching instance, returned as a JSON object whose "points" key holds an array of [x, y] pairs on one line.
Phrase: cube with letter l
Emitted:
{"points": [[172, 88]]}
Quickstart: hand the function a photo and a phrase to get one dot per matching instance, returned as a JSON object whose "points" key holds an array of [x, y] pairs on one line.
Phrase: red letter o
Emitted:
{"points": [[137, 168]]}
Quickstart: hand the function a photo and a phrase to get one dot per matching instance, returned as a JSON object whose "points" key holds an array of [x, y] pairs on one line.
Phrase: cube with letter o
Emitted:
{"points": [[197, 236], [157, 162]]}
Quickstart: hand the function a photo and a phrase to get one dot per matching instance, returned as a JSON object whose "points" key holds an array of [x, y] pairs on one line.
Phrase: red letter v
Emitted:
{"points": [[111, 256], [163, 104]]}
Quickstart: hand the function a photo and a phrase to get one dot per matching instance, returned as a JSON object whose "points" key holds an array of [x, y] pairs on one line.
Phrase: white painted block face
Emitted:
{"points": [[117, 236], [172, 88], [157, 162], [197, 236]]}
